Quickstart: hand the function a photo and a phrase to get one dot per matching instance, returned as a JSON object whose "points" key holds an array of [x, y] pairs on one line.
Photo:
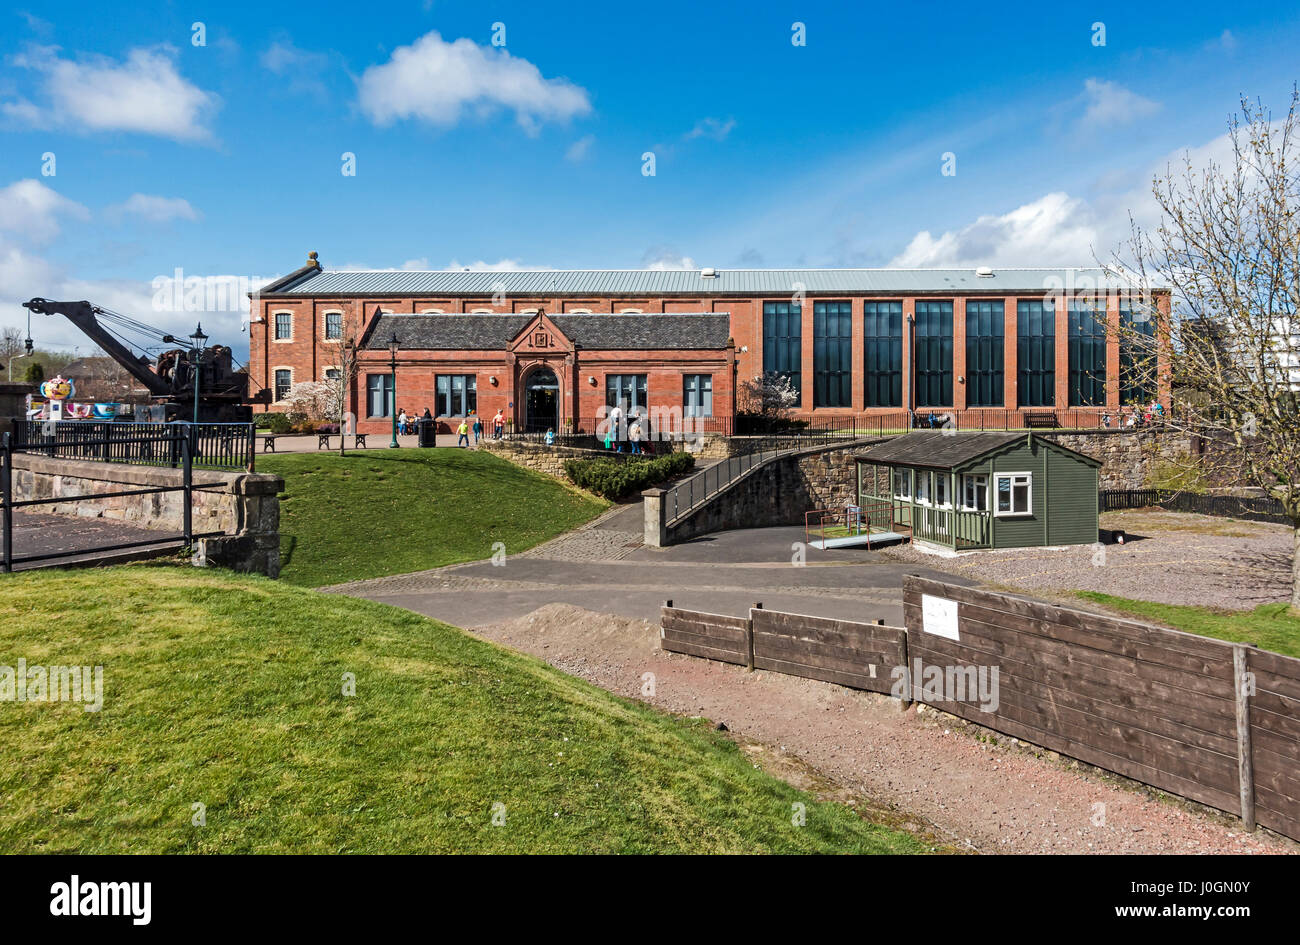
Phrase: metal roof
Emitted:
{"points": [[672, 331], [651, 282]]}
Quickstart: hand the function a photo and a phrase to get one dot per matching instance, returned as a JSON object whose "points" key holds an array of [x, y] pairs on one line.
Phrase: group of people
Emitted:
{"points": [[636, 433], [408, 424], [1137, 416]]}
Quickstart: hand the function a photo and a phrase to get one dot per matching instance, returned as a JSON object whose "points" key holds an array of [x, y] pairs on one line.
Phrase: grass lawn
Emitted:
{"points": [[370, 514], [226, 691], [1268, 626]]}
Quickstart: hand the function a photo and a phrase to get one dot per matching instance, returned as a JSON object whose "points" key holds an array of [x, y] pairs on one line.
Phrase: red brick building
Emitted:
{"points": [[551, 347]]}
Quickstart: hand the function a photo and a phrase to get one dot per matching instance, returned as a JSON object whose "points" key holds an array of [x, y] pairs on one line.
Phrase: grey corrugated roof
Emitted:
{"points": [[634, 282], [706, 330]]}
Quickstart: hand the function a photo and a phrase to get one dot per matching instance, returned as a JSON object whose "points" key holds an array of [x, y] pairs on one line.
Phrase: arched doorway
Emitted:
{"points": [[541, 401]]}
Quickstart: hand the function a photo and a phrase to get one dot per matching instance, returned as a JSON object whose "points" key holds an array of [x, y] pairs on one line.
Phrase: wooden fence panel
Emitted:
{"points": [[1155, 705], [1275, 740], [858, 655], [711, 636]]}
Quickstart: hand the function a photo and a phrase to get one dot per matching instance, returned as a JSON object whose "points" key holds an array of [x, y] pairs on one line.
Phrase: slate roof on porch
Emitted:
{"points": [[936, 449], [671, 330]]}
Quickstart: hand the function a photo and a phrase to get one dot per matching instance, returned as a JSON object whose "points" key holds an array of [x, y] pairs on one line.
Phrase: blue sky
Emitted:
{"points": [[225, 158]]}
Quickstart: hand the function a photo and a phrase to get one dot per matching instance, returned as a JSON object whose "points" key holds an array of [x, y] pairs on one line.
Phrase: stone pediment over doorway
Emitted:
{"points": [[540, 336]]}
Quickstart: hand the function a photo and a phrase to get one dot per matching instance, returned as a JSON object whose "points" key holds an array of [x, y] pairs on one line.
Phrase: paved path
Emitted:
{"points": [[41, 533], [604, 568]]}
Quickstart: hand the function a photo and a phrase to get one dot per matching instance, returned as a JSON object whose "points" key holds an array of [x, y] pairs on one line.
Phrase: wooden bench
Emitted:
{"points": [[323, 441], [1041, 419]]}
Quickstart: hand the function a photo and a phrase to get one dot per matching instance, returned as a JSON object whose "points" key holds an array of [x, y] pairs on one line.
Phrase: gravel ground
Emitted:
{"points": [[1170, 558], [981, 792]]}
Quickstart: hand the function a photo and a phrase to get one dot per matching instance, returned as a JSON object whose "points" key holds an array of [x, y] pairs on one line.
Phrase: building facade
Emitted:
{"points": [[850, 341]]}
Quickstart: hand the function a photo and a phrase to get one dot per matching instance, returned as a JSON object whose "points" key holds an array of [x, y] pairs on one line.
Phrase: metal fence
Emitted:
{"points": [[219, 446], [884, 423], [173, 439], [1261, 509]]}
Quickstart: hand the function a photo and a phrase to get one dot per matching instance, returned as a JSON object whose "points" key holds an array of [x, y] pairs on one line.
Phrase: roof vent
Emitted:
{"points": [[984, 272], [709, 273]]}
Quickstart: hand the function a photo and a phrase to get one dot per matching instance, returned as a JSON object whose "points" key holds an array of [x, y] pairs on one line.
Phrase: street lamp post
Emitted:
{"points": [[198, 340], [393, 347]]}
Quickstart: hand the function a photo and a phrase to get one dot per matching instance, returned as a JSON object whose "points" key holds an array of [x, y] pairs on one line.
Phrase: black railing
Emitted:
{"points": [[1252, 509], [178, 441], [222, 446]]}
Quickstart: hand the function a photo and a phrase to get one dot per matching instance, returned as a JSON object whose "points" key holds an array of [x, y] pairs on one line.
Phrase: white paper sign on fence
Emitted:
{"points": [[939, 616]]}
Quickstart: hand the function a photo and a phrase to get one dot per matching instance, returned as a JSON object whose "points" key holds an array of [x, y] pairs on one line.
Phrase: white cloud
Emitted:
{"points": [[713, 128], [501, 265], [30, 208], [665, 257], [1108, 104], [1054, 230], [155, 209], [435, 81], [579, 149], [301, 67], [144, 94], [23, 275]]}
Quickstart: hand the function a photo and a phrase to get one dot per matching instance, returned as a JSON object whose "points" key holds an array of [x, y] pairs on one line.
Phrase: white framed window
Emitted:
{"points": [[333, 326], [283, 323], [283, 380], [942, 497], [903, 484], [922, 487], [975, 493], [1014, 493]]}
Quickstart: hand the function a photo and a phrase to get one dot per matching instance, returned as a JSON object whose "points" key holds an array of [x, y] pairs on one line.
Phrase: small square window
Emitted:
{"points": [[1014, 494]]}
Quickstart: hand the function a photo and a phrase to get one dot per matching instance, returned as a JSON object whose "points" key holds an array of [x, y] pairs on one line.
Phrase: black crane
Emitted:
{"points": [[223, 391]]}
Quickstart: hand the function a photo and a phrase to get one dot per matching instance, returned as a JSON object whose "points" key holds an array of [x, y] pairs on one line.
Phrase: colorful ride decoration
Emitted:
{"points": [[59, 388]]}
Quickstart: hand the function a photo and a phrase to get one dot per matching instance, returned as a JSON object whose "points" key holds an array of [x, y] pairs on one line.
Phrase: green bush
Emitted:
{"points": [[615, 480], [272, 422]]}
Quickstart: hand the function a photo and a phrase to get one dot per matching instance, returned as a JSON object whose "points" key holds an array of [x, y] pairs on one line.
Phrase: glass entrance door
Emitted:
{"points": [[541, 401]]}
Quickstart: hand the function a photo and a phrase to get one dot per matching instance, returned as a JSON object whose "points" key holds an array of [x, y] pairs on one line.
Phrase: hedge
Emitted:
{"points": [[615, 480]]}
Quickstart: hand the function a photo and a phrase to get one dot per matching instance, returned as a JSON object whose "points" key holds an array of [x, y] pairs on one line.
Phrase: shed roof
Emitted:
{"points": [[937, 449], [673, 331]]}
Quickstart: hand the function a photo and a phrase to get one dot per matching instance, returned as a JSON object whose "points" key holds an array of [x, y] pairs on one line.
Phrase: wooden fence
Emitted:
{"points": [[1249, 508], [1209, 720]]}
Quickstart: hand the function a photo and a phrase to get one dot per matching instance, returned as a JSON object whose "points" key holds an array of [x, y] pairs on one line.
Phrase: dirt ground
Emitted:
{"points": [[975, 790], [1169, 558]]}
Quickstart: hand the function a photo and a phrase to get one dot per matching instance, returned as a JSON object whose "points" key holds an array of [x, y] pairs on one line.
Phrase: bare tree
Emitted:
{"points": [[1228, 246], [342, 369]]}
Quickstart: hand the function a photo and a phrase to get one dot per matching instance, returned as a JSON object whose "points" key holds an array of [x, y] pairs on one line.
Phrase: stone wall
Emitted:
{"points": [[547, 459], [1129, 457], [245, 506]]}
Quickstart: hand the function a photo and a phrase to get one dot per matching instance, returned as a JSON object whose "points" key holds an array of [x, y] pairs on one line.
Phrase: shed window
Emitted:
{"points": [[1014, 493], [923, 488], [902, 484], [975, 493], [942, 499]]}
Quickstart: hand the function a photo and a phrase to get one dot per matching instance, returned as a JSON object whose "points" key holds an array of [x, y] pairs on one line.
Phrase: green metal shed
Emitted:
{"points": [[965, 491]]}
